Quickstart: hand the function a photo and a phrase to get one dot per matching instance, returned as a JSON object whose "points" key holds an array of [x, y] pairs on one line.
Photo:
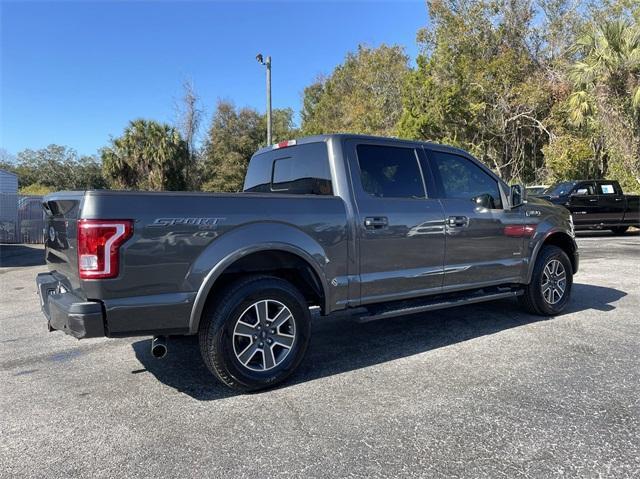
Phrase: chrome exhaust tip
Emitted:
{"points": [[159, 347]]}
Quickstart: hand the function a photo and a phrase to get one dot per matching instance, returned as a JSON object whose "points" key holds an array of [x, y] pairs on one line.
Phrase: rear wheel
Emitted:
{"points": [[550, 288], [619, 230], [256, 333]]}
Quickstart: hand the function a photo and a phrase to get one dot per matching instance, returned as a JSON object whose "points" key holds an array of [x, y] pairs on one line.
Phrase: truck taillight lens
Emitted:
{"points": [[99, 242], [284, 144]]}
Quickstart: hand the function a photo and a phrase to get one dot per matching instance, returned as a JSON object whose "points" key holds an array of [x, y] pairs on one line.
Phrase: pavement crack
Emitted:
{"points": [[297, 417]]}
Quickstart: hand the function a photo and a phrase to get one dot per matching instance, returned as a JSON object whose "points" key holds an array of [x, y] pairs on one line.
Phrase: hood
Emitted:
{"points": [[545, 205]]}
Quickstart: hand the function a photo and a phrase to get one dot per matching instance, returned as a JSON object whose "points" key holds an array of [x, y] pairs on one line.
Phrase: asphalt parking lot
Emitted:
{"points": [[478, 391]]}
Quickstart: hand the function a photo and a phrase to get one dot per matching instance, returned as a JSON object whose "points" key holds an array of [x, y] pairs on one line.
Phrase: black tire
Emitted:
{"points": [[619, 230], [533, 299], [218, 339]]}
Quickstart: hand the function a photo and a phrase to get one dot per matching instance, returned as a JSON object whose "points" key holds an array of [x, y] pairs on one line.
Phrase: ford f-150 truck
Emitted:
{"points": [[596, 204], [341, 225]]}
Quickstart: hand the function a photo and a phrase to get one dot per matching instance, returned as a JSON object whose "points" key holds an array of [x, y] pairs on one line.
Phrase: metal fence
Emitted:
{"points": [[22, 219]]}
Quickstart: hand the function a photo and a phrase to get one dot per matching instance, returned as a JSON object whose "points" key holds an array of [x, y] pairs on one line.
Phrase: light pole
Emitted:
{"points": [[267, 63]]}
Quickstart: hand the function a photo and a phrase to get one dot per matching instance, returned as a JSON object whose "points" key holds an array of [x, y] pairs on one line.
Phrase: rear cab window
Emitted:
{"points": [[301, 169]]}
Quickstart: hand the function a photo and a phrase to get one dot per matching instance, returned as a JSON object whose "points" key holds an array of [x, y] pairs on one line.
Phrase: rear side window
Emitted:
{"points": [[461, 178], [390, 172], [302, 169], [607, 189]]}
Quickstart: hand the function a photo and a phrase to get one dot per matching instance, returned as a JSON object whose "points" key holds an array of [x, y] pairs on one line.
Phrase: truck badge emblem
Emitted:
{"points": [[202, 223]]}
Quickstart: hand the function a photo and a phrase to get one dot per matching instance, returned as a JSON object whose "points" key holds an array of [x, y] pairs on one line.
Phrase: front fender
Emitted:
{"points": [[541, 236], [252, 238]]}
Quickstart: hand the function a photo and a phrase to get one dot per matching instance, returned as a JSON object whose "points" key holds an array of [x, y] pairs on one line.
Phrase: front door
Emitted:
{"points": [[400, 228], [484, 241], [583, 204]]}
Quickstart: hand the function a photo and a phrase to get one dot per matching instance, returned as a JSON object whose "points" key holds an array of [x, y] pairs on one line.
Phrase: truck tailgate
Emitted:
{"points": [[62, 211]]}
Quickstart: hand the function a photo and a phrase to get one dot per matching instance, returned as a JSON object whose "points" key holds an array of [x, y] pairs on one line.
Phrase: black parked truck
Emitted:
{"points": [[597, 204], [372, 227]]}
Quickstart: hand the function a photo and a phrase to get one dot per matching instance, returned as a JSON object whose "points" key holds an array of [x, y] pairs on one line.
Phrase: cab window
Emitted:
{"points": [[584, 189], [302, 169], [607, 189], [390, 172], [461, 178]]}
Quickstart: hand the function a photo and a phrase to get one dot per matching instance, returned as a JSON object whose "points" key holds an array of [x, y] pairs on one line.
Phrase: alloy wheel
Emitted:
{"points": [[263, 335], [554, 281]]}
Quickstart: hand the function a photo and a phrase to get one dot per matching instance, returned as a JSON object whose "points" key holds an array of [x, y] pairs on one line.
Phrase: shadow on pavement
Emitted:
{"points": [[15, 255], [341, 345], [587, 296]]}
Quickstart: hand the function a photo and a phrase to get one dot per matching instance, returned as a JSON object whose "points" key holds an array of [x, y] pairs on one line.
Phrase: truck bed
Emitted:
{"points": [[177, 238]]}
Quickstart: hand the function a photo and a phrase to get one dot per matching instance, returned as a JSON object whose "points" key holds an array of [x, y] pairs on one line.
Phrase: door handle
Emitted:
{"points": [[458, 221], [376, 222], [593, 200], [618, 199]]}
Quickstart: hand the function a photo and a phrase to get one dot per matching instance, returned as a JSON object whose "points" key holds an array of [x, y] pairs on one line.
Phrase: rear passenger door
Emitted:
{"points": [[483, 244], [400, 228], [611, 204]]}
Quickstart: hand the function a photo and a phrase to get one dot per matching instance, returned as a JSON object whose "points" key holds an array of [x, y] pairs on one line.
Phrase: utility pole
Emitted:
{"points": [[267, 63]]}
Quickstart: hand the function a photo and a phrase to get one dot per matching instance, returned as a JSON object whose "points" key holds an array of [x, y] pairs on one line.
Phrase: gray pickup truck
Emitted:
{"points": [[354, 226]]}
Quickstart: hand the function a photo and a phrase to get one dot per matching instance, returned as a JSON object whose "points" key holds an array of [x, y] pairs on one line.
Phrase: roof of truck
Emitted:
{"points": [[326, 137]]}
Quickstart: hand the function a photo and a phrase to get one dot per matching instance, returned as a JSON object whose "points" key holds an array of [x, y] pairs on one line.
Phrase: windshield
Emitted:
{"points": [[560, 189], [536, 190]]}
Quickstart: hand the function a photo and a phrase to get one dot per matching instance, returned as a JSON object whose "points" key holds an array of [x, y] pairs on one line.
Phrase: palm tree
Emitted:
{"points": [[606, 93], [148, 156]]}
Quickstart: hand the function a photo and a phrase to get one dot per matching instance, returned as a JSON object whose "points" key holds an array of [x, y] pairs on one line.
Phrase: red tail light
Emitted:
{"points": [[98, 245], [284, 144]]}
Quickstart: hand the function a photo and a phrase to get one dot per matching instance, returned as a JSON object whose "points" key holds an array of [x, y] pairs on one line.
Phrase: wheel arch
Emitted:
{"points": [[562, 240], [278, 259]]}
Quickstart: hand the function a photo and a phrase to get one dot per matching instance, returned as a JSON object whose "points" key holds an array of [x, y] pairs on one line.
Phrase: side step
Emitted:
{"points": [[413, 306]]}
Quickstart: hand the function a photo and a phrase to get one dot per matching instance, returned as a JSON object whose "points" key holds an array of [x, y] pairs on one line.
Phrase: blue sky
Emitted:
{"points": [[74, 73]]}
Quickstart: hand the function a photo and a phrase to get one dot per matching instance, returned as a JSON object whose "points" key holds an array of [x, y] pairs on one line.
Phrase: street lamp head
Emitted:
{"points": [[260, 58]]}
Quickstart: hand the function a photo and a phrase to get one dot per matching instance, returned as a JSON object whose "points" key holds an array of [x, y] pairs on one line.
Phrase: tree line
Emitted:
{"points": [[540, 91]]}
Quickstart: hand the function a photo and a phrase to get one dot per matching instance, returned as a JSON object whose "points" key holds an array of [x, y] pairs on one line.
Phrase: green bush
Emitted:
{"points": [[569, 157]]}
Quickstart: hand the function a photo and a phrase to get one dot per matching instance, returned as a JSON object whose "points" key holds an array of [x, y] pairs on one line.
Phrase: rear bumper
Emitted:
{"points": [[67, 312]]}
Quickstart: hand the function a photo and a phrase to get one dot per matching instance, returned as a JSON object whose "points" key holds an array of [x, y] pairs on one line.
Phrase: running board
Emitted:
{"points": [[414, 306]]}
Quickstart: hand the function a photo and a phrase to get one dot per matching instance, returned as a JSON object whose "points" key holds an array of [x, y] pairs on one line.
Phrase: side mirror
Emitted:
{"points": [[517, 195]]}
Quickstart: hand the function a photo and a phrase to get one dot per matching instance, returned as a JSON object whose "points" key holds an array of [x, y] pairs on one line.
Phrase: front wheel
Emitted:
{"points": [[255, 334], [549, 291]]}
